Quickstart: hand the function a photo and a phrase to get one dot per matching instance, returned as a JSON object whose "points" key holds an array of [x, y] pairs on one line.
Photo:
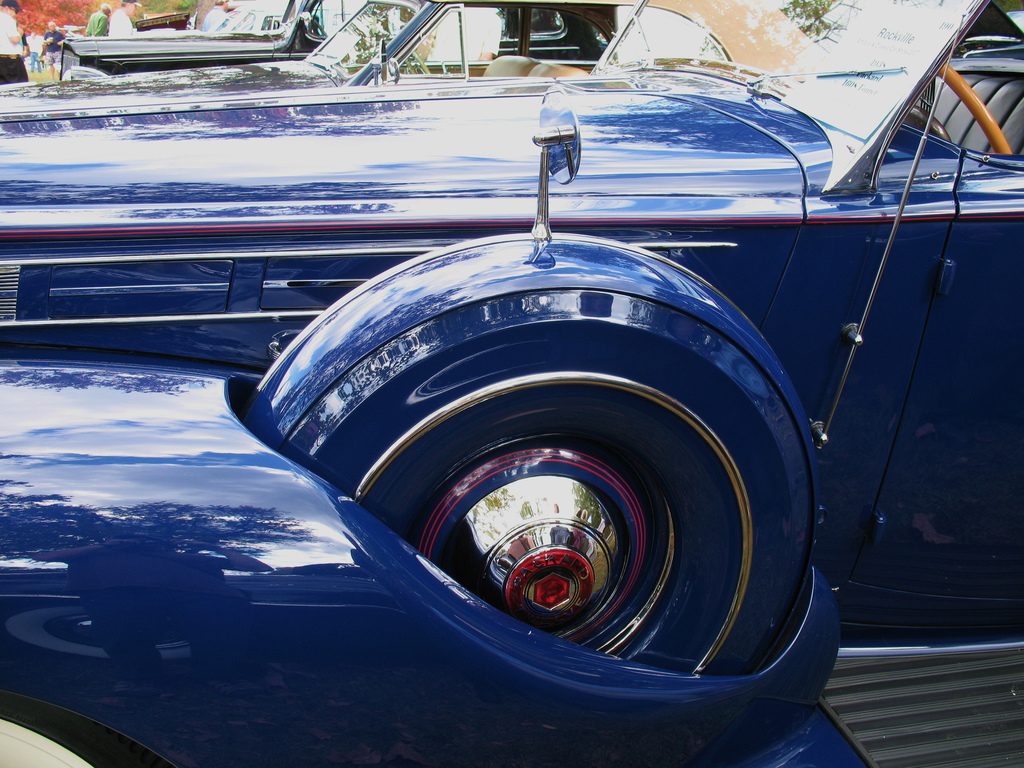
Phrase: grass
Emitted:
{"points": [[41, 77]]}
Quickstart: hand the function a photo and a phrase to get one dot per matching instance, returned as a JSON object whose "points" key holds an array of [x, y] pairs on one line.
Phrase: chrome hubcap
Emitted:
{"points": [[548, 548], [556, 536]]}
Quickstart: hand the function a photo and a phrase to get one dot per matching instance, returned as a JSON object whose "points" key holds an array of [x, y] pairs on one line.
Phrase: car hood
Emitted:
{"points": [[148, 89], [365, 157]]}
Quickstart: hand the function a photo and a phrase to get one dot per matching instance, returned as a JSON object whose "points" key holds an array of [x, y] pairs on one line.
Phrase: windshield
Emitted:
{"points": [[357, 43], [849, 65], [248, 19]]}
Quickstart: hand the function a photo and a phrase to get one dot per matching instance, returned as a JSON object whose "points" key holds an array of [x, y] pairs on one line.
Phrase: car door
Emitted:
{"points": [[947, 529]]}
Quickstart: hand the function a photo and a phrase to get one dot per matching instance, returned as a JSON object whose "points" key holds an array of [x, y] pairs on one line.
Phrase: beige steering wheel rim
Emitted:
{"points": [[979, 111]]}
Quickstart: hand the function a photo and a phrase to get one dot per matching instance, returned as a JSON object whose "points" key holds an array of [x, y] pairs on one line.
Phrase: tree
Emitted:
{"points": [[36, 13]]}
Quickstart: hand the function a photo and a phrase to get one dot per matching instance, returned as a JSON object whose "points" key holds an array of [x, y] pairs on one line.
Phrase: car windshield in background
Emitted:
{"points": [[250, 17], [357, 43], [849, 65]]}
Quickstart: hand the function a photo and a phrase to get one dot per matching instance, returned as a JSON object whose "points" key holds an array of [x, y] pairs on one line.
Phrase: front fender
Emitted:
{"points": [[120, 486]]}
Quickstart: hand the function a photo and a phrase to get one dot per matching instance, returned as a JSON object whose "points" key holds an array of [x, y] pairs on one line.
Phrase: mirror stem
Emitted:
{"points": [[541, 225]]}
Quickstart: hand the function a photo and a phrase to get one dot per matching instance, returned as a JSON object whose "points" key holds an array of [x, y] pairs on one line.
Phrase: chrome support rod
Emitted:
{"points": [[545, 139], [853, 333], [541, 231]]}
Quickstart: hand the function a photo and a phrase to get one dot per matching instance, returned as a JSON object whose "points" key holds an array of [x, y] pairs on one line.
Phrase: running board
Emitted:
{"points": [[940, 710]]}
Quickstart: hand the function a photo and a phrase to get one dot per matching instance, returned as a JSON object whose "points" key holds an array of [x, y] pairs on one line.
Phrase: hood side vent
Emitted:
{"points": [[9, 277]]}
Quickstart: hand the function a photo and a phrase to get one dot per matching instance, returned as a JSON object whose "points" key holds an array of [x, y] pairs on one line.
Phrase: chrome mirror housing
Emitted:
{"points": [[564, 155]]}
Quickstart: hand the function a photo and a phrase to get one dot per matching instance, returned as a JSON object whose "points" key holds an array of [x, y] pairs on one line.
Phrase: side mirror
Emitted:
{"points": [[564, 154], [561, 150]]}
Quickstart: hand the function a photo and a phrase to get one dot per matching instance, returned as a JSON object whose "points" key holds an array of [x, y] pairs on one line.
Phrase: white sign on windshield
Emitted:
{"points": [[889, 52]]}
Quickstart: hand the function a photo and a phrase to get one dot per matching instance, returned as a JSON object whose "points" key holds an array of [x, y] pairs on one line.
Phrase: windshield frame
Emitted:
{"points": [[331, 62]]}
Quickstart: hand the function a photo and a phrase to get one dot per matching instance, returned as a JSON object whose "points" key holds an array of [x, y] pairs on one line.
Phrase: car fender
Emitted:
{"points": [[379, 384]]}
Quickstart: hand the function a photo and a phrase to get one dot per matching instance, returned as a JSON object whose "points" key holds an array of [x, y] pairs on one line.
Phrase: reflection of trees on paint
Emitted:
{"points": [[42, 522], [59, 379]]}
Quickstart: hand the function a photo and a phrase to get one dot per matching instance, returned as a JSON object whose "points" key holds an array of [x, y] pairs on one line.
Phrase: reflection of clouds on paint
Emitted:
{"points": [[371, 138], [86, 458]]}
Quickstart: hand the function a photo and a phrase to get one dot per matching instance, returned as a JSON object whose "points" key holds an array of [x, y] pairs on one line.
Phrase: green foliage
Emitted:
{"points": [[158, 7], [809, 16], [36, 13]]}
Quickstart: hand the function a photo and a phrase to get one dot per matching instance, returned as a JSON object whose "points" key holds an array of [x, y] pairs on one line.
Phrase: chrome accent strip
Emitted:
{"points": [[136, 320], [665, 245], [856, 652], [10, 275], [370, 251], [278, 284], [106, 290], [579, 378]]}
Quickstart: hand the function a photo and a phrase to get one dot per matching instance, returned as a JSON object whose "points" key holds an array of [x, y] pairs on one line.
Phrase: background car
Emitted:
{"points": [[253, 17], [477, 417], [573, 32], [563, 39], [304, 25]]}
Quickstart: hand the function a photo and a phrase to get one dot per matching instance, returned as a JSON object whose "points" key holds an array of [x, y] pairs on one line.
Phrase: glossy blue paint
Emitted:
{"points": [[232, 201], [140, 289], [281, 168], [958, 431], [808, 741], [202, 607], [505, 267], [826, 287], [423, 337], [737, 255]]}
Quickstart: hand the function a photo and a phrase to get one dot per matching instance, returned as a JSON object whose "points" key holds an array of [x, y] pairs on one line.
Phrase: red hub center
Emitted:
{"points": [[549, 586]]}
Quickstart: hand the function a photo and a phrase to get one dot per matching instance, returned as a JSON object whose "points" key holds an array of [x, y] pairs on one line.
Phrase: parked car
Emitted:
{"points": [[305, 24], [573, 33], [253, 17], [498, 412], [177, 21]]}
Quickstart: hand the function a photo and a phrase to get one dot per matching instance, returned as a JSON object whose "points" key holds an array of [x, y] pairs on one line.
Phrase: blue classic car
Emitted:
{"points": [[523, 414]]}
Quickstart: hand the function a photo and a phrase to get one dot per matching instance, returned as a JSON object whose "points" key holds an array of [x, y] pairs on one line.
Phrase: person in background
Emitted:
{"points": [[12, 65], [99, 22], [121, 23], [53, 41], [216, 16], [35, 52]]}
